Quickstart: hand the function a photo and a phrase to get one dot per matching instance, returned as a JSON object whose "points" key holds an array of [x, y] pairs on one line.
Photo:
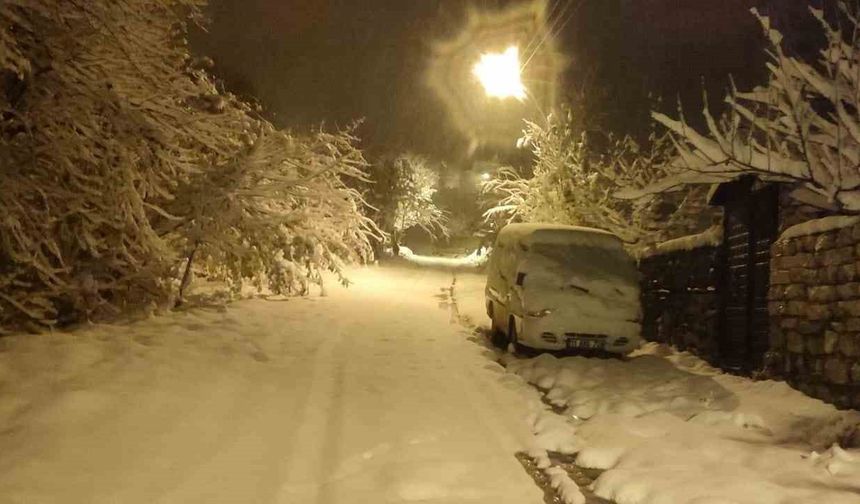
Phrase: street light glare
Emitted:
{"points": [[500, 74]]}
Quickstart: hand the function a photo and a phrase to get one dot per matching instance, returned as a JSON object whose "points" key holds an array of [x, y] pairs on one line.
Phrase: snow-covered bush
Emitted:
{"points": [[107, 125], [801, 128], [402, 192], [571, 182]]}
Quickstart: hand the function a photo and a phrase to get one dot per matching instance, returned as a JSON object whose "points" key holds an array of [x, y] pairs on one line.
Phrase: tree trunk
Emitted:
{"points": [[395, 244], [186, 276]]}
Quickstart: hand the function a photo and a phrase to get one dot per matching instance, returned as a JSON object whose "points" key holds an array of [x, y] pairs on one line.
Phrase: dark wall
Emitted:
{"points": [[680, 303]]}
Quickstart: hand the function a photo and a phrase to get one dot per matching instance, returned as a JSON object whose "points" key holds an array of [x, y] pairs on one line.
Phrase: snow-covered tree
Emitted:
{"points": [[574, 183], [109, 130], [402, 191], [802, 127], [278, 213], [100, 125]]}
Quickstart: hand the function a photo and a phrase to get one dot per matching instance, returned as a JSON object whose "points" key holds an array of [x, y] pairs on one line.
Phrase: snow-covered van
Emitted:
{"points": [[563, 287]]}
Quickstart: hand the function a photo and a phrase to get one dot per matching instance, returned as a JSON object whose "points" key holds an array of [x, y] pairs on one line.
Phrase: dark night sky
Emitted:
{"points": [[310, 61], [332, 61]]}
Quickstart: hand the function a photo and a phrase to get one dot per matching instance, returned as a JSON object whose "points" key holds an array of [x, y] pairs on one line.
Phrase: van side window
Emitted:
{"points": [[508, 263]]}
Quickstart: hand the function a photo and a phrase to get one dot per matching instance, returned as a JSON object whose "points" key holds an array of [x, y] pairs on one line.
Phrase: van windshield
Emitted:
{"points": [[552, 259]]}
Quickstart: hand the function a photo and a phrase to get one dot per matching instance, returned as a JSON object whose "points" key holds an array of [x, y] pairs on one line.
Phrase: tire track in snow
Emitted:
{"points": [[582, 477], [481, 405], [269, 428], [305, 477], [485, 402], [333, 436]]}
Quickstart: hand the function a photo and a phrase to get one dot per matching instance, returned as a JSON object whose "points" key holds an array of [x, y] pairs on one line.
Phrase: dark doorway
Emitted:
{"points": [[750, 227]]}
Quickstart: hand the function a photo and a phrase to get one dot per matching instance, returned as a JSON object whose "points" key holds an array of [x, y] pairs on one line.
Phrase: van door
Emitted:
{"points": [[504, 274], [495, 278]]}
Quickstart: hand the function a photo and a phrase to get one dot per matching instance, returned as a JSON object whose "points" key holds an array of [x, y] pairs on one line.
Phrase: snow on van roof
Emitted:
{"points": [[531, 233]]}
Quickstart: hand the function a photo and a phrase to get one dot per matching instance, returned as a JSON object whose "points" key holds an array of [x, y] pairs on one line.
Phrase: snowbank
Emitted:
{"points": [[668, 428], [474, 260], [669, 432]]}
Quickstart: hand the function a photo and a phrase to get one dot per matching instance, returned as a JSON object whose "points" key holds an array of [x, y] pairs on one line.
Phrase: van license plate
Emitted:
{"points": [[585, 344]]}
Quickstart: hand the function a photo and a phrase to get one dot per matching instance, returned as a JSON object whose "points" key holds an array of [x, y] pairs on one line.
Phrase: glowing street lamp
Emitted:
{"points": [[501, 74]]}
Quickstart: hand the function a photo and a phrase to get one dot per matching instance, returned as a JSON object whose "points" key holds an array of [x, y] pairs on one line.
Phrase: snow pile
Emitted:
{"points": [[589, 387], [821, 225], [559, 480], [553, 433], [566, 487], [838, 462], [669, 429]]}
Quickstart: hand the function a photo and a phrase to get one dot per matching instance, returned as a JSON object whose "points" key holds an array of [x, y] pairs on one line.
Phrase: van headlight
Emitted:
{"points": [[539, 313]]}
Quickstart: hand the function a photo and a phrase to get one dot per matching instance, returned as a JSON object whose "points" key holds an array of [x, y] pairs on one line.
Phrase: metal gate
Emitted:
{"points": [[750, 226]]}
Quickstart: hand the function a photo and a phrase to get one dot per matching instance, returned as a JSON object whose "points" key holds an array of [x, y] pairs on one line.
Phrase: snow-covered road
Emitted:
{"points": [[378, 394], [369, 395]]}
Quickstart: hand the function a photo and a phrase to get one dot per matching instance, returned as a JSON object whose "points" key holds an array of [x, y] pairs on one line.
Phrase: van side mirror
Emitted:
{"points": [[521, 279]]}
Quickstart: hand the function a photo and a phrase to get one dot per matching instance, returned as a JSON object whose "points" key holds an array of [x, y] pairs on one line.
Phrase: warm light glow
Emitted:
{"points": [[500, 74], [485, 177]]}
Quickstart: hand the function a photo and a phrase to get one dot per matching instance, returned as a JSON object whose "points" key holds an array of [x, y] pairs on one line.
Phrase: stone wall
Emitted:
{"points": [[793, 212], [814, 304], [680, 303]]}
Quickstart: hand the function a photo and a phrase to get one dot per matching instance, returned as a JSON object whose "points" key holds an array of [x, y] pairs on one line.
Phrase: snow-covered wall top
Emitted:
{"points": [[818, 226], [710, 238]]}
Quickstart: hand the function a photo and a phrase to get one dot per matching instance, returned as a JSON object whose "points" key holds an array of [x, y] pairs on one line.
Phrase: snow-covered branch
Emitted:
{"points": [[572, 183], [801, 128], [278, 213]]}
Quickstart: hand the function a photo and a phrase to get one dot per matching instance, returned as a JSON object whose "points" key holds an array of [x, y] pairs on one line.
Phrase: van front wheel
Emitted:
{"points": [[497, 337], [514, 339]]}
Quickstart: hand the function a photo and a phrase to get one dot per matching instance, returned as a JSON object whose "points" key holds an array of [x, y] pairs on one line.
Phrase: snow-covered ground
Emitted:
{"points": [[370, 395], [669, 429], [373, 395]]}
